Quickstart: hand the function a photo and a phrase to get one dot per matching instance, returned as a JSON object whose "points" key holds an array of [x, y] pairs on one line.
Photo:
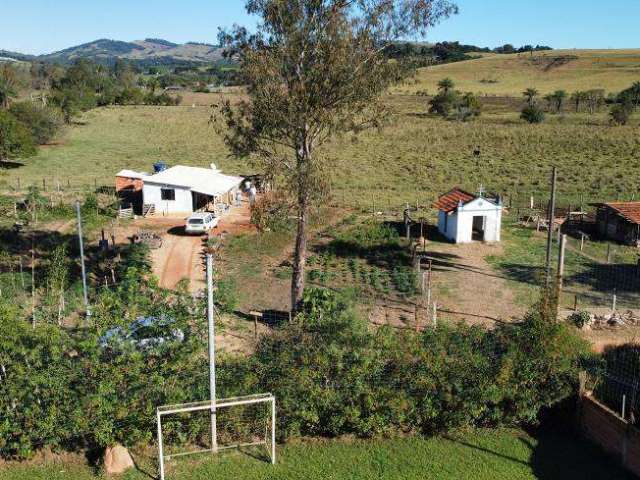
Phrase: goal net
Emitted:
{"points": [[244, 423]]}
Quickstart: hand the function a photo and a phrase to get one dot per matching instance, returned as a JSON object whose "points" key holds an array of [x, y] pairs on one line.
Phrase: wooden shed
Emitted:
{"points": [[619, 221]]}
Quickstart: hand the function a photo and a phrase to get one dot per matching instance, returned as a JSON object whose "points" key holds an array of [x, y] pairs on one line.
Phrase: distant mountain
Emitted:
{"points": [[149, 51], [6, 55]]}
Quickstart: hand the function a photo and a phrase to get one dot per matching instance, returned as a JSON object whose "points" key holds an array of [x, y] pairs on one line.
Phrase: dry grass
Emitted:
{"points": [[571, 70]]}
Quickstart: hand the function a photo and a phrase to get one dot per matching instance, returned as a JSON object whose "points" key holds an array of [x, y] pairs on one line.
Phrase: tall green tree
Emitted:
{"points": [[314, 69], [7, 85], [15, 139]]}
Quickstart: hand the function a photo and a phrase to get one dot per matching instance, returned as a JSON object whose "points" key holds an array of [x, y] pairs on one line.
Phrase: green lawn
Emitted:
{"points": [[481, 455]]}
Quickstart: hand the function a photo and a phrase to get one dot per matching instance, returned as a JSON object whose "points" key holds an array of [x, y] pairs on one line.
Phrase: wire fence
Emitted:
{"points": [[618, 383]]}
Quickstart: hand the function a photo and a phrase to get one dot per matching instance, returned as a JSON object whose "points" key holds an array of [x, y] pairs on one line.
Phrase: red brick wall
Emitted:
{"points": [[125, 182], [605, 428]]}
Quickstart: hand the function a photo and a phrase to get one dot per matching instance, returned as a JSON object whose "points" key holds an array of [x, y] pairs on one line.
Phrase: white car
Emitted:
{"points": [[200, 223]]}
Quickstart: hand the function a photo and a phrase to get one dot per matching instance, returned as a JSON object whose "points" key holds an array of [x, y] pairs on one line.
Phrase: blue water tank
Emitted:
{"points": [[159, 167]]}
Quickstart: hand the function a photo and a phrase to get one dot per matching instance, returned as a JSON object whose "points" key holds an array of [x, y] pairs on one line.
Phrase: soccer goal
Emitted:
{"points": [[232, 423]]}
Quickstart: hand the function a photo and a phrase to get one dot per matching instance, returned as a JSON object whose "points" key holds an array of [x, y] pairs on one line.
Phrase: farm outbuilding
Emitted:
{"points": [[619, 221], [183, 190], [129, 180], [464, 217]]}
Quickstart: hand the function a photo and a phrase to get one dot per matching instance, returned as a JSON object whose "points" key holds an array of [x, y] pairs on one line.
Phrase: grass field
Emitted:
{"points": [[509, 75], [483, 455], [416, 157]]}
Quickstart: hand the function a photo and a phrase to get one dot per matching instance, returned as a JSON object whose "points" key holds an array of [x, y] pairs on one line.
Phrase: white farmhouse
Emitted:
{"points": [[184, 190], [464, 217]]}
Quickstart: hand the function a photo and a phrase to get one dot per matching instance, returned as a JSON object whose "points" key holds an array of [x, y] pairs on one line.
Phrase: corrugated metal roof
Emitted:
{"points": [[630, 211], [131, 174], [450, 200], [201, 180]]}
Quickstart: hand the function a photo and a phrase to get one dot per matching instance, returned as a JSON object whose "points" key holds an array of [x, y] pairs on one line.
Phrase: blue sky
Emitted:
{"points": [[43, 26]]}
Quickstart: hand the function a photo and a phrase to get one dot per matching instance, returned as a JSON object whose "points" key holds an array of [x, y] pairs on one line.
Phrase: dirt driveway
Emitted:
{"points": [[180, 257]]}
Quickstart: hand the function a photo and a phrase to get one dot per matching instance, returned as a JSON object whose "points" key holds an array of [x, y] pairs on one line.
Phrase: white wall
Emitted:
{"points": [[460, 224], [451, 230], [479, 208], [182, 203]]}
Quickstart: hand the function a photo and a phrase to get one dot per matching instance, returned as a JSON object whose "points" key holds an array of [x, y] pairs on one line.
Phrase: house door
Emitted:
{"points": [[479, 225]]}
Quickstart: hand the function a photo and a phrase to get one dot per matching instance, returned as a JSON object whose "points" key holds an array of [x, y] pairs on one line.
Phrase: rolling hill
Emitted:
{"points": [[509, 75], [148, 51]]}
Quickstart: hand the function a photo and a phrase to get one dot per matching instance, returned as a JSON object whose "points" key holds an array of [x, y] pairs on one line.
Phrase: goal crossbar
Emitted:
{"points": [[208, 404], [213, 406]]}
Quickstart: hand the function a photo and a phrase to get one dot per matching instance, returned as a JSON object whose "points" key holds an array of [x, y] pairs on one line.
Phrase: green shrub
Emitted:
{"points": [[532, 114], [272, 212], [43, 122], [620, 113], [332, 374], [579, 319], [226, 296]]}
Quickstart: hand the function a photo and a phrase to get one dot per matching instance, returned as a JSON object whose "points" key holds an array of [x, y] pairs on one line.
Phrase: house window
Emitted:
{"points": [[167, 194], [446, 222]]}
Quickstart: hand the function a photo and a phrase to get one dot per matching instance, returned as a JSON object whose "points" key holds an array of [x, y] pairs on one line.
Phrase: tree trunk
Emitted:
{"points": [[300, 254]]}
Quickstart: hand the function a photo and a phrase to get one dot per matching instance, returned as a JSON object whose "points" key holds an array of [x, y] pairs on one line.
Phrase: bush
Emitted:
{"points": [[331, 373], [444, 103], [226, 296], [579, 319], [532, 114], [15, 138], [620, 114], [43, 122], [272, 212]]}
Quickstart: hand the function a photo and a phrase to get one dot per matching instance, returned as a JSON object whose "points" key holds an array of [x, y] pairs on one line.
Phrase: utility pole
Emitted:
{"points": [[550, 219], [84, 271], [212, 354]]}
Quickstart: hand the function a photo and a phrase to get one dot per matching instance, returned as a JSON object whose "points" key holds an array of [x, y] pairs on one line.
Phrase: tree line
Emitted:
{"points": [[453, 104], [621, 105], [447, 52], [62, 94]]}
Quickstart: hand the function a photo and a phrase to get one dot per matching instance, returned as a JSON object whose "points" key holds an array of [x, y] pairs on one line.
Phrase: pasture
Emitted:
{"points": [[415, 158], [509, 75], [477, 455]]}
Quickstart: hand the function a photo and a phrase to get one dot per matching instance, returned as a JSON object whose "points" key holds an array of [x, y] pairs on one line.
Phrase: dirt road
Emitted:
{"points": [[180, 257]]}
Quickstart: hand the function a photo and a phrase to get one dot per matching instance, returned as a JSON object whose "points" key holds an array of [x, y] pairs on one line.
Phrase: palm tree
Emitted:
{"points": [[530, 94], [556, 99], [445, 85], [578, 98]]}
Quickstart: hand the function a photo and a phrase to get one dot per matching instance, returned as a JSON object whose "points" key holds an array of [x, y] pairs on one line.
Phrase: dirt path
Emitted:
{"points": [[177, 259]]}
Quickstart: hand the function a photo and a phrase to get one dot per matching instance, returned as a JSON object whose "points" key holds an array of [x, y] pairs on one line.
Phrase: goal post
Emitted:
{"points": [[228, 431]]}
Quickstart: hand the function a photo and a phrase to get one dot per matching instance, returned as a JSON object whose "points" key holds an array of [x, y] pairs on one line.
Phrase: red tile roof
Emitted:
{"points": [[630, 211], [450, 200]]}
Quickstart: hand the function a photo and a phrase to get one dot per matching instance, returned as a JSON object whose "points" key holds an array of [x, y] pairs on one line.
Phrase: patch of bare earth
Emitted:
{"points": [[464, 287]]}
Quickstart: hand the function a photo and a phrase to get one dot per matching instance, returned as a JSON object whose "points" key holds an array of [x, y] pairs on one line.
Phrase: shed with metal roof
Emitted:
{"points": [[619, 221]]}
